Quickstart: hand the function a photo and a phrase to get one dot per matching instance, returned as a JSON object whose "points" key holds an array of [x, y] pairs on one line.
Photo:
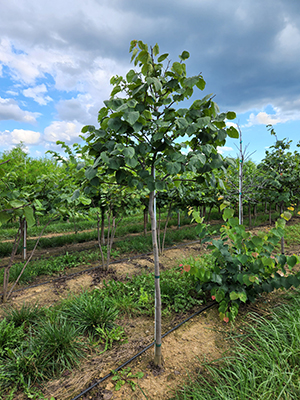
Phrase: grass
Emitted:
{"points": [[130, 224], [58, 264], [263, 362], [89, 311], [39, 343], [292, 234], [136, 295]]}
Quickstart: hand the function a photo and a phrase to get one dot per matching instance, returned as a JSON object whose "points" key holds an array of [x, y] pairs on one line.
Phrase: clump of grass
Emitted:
{"points": [[89, 311], [58, 346], [28, 314], [48, 350]]}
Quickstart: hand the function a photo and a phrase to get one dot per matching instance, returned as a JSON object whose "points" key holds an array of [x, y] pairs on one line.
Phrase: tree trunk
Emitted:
{"points": [[157, 330], [209, 212], [249, 214], [270, 213], [7, 269], [282, 237], [255, 213], [145, 220], [102, 226], [100, 237], [158, 232], [178, 219], [27, 262], [165, 230]]}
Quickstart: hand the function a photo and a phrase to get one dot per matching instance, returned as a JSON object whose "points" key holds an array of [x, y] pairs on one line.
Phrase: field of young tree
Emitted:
{"points": [[106, 249]]}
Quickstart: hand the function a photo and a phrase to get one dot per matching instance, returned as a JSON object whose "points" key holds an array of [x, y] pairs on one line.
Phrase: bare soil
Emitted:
{"points": [[204, 337]]}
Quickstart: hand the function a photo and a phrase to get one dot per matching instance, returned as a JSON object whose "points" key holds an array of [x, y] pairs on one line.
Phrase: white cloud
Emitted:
{"points": [[10, 138], [82, 108], [25, 136], [288, 41], [64, 131], [262, 118], [9, 110], [38, 94], [289, 112], [224, 149]]}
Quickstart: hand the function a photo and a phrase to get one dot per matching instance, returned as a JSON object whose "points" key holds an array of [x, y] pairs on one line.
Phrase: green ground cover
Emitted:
{"points": [[263, 361], [39, 343]]}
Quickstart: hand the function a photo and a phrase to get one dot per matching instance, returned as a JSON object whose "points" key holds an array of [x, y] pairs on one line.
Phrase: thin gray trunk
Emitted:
{"points": [[29, 259], [282, 238], [158, 232], [209, 212], [157, 329], [145, 220], [99, 240], [255, 213], [7, 269], [178, 219], [165, 230], [270, 213], [102, 226], [249, 214]]}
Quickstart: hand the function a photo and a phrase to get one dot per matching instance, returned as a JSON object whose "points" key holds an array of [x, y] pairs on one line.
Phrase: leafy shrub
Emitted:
{"points": [[244, 264]]}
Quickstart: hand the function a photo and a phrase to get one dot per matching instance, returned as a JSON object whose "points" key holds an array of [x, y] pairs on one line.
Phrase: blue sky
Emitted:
{"points": [[56, 60]]}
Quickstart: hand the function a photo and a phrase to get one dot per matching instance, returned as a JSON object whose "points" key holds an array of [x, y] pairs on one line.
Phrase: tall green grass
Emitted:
{"points": [[263, 363]]}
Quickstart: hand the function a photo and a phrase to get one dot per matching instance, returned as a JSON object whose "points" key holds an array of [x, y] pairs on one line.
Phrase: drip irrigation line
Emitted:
{"points": [[94, 268], [141, 352], [113, 262]]}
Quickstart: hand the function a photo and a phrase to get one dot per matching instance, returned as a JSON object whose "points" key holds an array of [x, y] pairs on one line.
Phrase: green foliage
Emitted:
{"points": [[89, 311], [244, 265], [125, 376], [137, 295], [10, 336], [142, 128], [281, 171], [110, 336], [58, 346], [27, 315], [263, 362]]}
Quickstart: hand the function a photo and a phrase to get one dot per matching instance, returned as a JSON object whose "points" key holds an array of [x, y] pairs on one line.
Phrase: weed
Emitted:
{"points": [[125, 376], [108, 337], [10, 337]]}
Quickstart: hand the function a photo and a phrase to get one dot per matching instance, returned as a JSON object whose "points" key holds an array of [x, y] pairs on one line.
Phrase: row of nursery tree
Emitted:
{"points": [[147, 153], [59, 186]]}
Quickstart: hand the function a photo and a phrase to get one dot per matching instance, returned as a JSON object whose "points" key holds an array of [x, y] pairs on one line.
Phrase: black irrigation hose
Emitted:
{"points": [[141, 352], [93, 268], [113, 262]]}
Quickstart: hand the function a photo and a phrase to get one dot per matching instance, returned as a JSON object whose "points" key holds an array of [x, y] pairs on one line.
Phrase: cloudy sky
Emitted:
{"points": [[57, 57]]}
